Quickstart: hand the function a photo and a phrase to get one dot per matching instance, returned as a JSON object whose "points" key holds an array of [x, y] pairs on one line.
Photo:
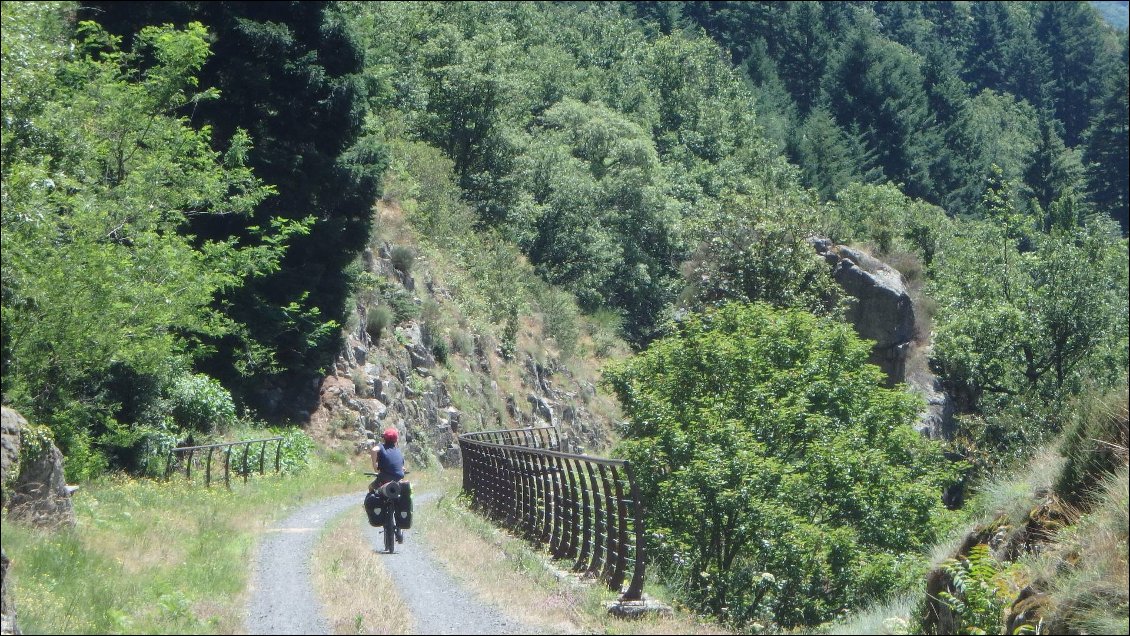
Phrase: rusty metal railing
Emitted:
{"points": [[536, 437], [201, 457], [584, 509]]}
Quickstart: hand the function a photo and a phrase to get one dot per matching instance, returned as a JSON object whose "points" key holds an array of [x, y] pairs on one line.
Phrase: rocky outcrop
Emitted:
{"points": [[882, 311], [1009, 537], [40, 494], [13, 424], [444, 373], [399, 383]]}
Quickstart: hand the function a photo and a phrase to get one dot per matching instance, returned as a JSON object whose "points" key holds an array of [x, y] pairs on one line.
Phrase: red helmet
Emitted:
{"points": [[390, 435]]}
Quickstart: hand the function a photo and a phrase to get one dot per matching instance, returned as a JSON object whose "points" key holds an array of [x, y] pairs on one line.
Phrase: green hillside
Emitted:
{"points": [[196, 233]]}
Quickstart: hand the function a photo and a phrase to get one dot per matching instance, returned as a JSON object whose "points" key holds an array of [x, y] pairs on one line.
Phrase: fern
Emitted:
{"points": [[982, 594]]}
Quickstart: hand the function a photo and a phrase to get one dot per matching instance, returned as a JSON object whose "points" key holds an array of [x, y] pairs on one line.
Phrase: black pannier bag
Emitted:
{"points": [[404, 507], [376, 509]]}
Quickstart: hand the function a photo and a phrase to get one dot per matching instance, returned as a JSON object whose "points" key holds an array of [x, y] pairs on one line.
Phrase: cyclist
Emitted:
{"points": [[388, 463]]}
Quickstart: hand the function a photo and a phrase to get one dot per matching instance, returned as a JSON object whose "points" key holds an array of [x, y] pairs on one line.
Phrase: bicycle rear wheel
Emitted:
{"points": [[390, 530]]}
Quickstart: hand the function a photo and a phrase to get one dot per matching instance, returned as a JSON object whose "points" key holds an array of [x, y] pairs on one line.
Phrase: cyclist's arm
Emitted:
{"points": [[375, 455]]}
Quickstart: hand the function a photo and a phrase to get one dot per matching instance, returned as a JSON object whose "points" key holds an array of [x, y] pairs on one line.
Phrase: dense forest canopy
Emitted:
{"points": [[909, 89], [187, 189]]}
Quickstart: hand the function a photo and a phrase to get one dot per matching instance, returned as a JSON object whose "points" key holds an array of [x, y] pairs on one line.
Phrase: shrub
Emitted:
{"points": [[352, 321], [403, 258], [296, 449], [1095, 444], [440, 349], [510, 335], [486, 344], [155, 443], [377, 319], [559, 317], [200, 403], [360, 383], [462, 342], [605, 328], [404, 307], [981, 598], [429, 321]]}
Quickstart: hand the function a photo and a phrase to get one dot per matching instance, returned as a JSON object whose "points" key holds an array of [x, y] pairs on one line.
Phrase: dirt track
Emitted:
{"points": [[283, 599]]}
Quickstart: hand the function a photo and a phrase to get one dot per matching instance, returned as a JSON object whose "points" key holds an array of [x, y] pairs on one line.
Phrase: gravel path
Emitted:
{"points": [[283, 599], [439, 604], [282, 595]]}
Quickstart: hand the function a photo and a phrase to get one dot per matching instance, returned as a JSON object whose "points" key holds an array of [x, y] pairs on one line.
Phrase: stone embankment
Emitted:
{"points": [[398, 381]]}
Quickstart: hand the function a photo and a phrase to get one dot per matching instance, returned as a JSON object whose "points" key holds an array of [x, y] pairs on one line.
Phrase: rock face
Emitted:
{"points": [[883, 310], [398, 382], [937, 422], [13, 423], [39, 493]]}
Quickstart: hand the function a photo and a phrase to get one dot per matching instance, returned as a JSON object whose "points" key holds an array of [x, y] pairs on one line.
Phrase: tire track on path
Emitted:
{"points": [[282, 593]]}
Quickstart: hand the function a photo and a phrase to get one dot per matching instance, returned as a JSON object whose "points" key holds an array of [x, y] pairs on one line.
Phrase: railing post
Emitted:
{"points": [[597, 544], [208, 470], [512, 483], [278, 456], [557, 534], [544, 522], [611, 551], [227, 462], [621, 532], [468, 462], [529, 519], [262, 453], [586, 518], [635, 588], [572, 501], [246, 449]]}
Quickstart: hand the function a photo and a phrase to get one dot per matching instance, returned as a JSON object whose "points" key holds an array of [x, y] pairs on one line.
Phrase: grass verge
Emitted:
{"points": [[509, 573], [157, 557]]}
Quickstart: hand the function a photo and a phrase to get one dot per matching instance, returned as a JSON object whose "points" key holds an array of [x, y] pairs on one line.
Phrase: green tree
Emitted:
{"points": [[289, 73], [993, 141], [1037, 323], [749, 252], [996, 28], [105, 296], [877, 85], [598, 220], [803, 48], [783, 482], [831, 158], [888, 219], [1106, 155], [1070, 33], [1053, 170]]}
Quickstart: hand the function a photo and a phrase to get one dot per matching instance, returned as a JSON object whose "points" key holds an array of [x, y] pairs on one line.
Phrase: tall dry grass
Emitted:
{"points": [[345, 577]]}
